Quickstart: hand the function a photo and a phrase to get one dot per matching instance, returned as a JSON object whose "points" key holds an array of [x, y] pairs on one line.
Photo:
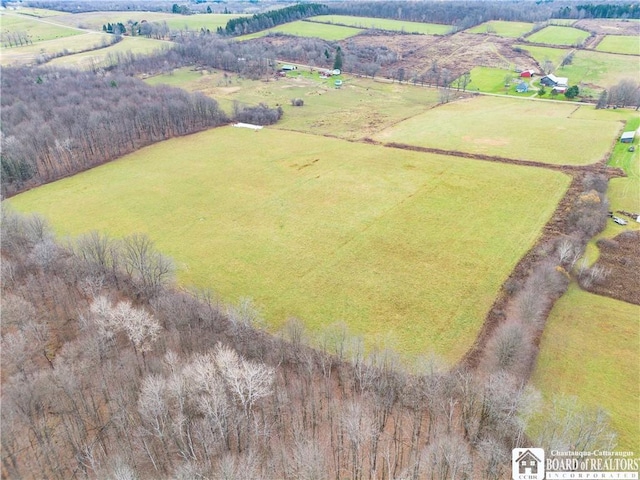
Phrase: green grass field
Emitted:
{"points": [[38, 30], [408, 249], [502, 28], [557, 35], [361, 108], [590, 349], [36, 12], [619, 44], [301, 28], [196, 22], [29, 53], [95, 20], [588, 67], [493, 80], [527, 130], [384, 24], [102, 57]]}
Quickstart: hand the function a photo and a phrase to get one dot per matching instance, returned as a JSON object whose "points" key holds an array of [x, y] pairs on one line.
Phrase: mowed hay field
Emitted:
{"points": [[101, 57], [384, 24], [502, 28], [589, 349], [556, 35], [523, 130], [407, 249], [620, 44], [37, 30]]}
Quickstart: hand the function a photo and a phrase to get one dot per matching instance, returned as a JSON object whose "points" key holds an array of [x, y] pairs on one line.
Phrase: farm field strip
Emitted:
{"points": [[534, 131], [410, 244], [95, 20], [502, 28], [383, 24], [300, 28], [38, 30], [589, 349], [558, 35], [87, 60], [619, 44]]}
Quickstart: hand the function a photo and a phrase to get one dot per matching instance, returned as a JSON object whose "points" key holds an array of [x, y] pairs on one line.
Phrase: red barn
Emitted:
{"points": [[526, 73]]}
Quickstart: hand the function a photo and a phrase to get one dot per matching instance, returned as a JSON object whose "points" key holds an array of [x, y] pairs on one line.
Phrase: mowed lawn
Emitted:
{"points": [[384, 24], [37, 30], [301, 28], [557, 35], [589, 349], [523, 130], [502, 28], [493, 80], [620, 44], [408, 249]]}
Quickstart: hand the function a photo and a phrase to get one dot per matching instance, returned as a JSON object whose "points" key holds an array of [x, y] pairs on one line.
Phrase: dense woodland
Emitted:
{"points": [[110, 372]]}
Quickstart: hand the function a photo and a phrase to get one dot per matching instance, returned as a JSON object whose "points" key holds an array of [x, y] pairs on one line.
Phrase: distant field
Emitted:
{"points": [[102, 57], [384, 24], [502, 28], [540, 131], [590, 349], [590, 67], [359, 109], [619, 44], [36, 12], [301, 28], [38, 30], [77, 43], [196, 22], [95, 20], [493, 80], [407, 249], [556, 35]]}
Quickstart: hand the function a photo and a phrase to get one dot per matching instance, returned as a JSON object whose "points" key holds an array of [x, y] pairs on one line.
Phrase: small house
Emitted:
{"points": [[528, 463], [552, 81], [559, 89], [522, 87], [627, 137]]}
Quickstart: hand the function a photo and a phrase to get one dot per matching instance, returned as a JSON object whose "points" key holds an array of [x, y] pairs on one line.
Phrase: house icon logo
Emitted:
{"points": [[527, 463]]}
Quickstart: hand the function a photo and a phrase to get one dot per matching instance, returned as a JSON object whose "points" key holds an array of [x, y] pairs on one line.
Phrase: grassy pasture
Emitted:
{"points": [[590, 349], [588, 67], [102, 57], [37, 29], [557, 35], [29, 53], [527, 130], [36, 12], [492, 80], [620, 44], [408, 249], [95, 20], [196, 22], [502, 28], [359, 109], [383, 24], [301, 28]]}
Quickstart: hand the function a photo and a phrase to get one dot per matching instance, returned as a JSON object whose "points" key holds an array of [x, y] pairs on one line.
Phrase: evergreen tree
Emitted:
{"points": [[337, 62]]}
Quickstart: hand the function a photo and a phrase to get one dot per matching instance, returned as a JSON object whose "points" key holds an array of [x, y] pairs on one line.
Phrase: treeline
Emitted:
{"points": [[58, 122], [110, 372], [600, 10], [263, 21]]}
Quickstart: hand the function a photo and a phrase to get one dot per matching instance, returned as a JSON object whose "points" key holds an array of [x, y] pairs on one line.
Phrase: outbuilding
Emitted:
{"points": [[627, 137], [288, 68], [526, 73], [552, 81], [522, 87]]}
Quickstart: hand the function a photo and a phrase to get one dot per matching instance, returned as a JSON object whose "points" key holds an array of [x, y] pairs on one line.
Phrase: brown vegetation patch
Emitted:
{"points": [[609, 27], [620, 257]]}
